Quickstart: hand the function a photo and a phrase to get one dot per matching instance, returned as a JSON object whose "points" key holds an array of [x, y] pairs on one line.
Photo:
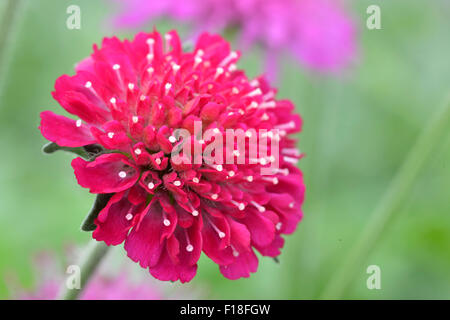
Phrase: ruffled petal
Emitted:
{"points": [[108, 173]]}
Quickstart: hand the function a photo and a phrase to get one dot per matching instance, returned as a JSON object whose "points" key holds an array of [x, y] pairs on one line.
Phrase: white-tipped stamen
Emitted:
{"points": [[129, 216], [235, 252], [166, 222], [291, 205], [167, 87], [151, 185], [286, 126], [268, 105], [172, 139], [142, 97], [232, 67], [249, 178], [278, 226], [233, 55], [138, 151], [113, 100], [235, 90], [231, 173], [168, 37], [254, 83], [196, 180], [197, 61], [284, 172], [291, 152], [78, 123], [258, 206], [255, 92], [158, 161], [135, 119], [273, 180], [116, 67], [150, 70], [219, 71], [175, 67], [122, 174], [110, 135], [290, 160], [265, 117], [214, 196], [239, 205], [189, 248], [131, 86], [88, 84], [177, 183]]}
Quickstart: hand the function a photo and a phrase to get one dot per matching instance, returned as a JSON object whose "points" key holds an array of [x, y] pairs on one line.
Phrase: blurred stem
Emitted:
{"points": [[92, 257], [391, 202], [7, 26]]}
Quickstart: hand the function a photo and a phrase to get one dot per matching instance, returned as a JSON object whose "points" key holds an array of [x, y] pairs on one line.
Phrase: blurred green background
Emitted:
{"points": [[358, 128]]}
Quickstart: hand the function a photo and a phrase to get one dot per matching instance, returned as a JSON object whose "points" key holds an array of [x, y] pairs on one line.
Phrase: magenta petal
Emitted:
{"points": [[106, 174], [115, 220], [143, 243], [243, 265], [64, 131]]}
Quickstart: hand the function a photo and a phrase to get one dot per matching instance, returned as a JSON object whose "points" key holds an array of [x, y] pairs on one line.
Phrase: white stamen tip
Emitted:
{"points": [[88, 84], [196, 180], [291, 205], [189, 248], [110, 135], [241, 206], [275, 180], [112, 100], [138, 151], [215, 196], [150, 41], [166, 222], [122, 174], [221, 235], [131, 86], [129, 216], [219, 168], [250, 178], [151, 185], [116, 67], [195, 213], [177, 183], [78, 123], [135, 119], [235, 253], [172, 139], [231, 173], [158, 161], [278, 225]]}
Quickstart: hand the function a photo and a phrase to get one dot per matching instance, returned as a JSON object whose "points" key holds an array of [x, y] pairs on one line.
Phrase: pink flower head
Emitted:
{"points": [[102, 286], [319, 33], [130, 97]]}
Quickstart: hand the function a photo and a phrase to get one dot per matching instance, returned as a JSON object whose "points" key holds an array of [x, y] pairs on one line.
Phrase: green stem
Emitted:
{"points": [[9, 21], [94, 254], [391, 203]]}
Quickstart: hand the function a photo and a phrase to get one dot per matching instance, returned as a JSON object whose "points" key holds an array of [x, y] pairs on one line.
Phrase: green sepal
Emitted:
{"points": [[52, 147], [99, 204]]}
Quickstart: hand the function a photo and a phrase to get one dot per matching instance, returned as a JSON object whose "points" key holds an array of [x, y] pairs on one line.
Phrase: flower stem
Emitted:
{"points": [[94, 254], [7, 25], [391, 202]]}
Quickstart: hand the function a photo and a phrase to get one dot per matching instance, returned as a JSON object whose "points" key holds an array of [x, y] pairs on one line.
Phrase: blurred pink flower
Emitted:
{"points": [[318, 33], [102, 286]]}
